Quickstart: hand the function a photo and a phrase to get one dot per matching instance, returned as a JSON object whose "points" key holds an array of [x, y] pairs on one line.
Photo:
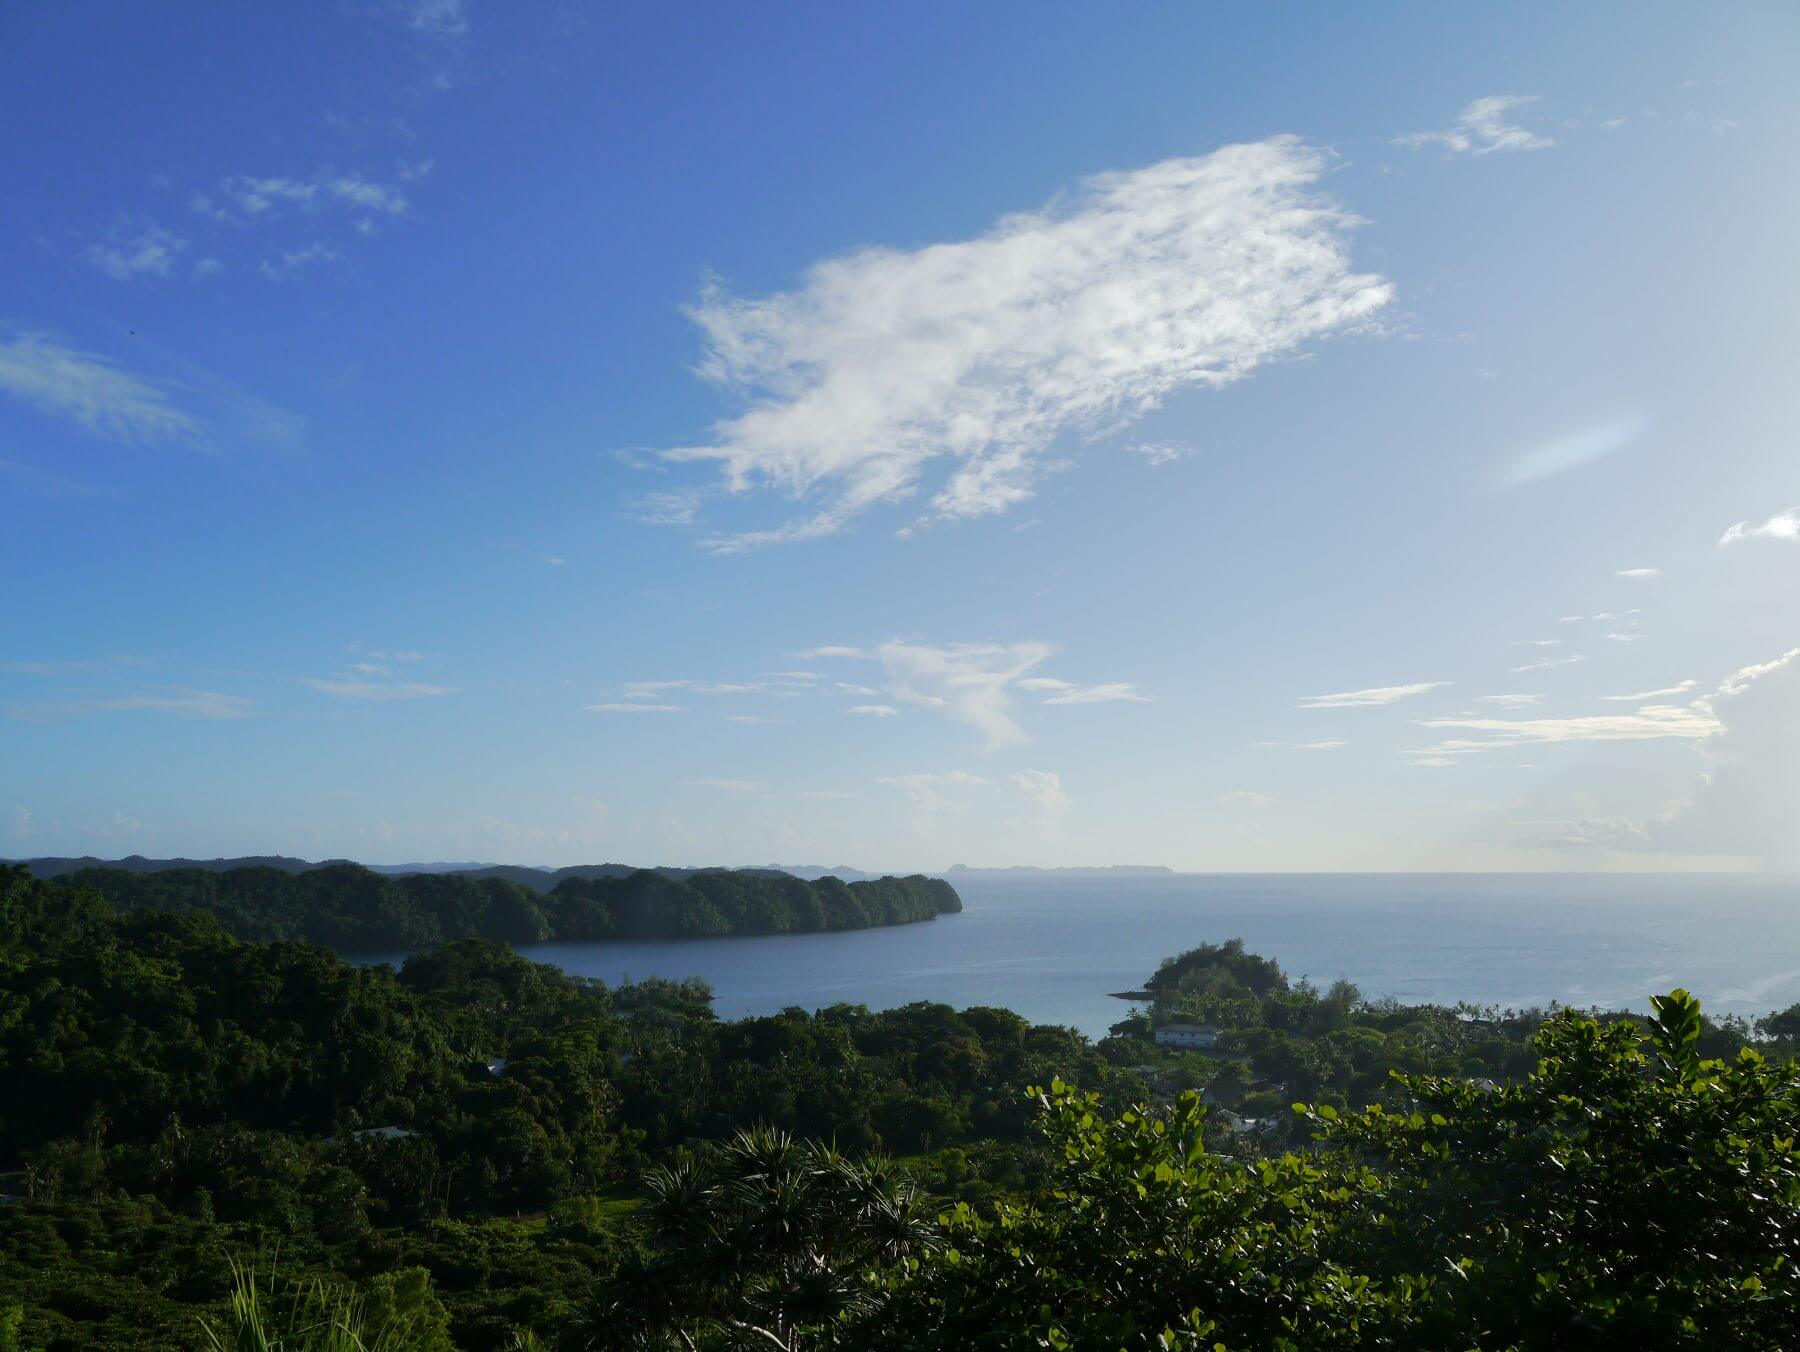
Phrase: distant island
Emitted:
{"points": [[348, 907], [1094, 871]]}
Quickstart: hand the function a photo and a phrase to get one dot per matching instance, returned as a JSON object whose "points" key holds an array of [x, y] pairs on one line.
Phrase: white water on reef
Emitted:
{"points": [[1053, 948]]}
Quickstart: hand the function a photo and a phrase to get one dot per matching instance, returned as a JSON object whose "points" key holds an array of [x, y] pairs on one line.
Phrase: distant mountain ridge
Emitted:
{"points": [[537, 878], [1077, 871]]}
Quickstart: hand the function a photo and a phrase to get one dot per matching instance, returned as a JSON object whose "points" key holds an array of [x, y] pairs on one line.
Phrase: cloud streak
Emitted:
{"points": [[1068, 321], [1483, 128], [91, 390], [1381, 694]]}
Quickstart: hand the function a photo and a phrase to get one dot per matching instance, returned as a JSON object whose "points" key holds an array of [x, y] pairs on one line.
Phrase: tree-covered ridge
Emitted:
{"points": [[172, 1098], [491, 1152], [348, 907]]}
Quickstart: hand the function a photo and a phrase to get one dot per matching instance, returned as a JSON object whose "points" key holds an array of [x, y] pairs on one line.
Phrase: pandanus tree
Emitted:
{"points": [[764, 1242]]}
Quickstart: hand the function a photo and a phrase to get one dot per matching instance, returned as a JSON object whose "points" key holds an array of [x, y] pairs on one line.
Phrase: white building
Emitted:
{"points": [[1186, 1035]]}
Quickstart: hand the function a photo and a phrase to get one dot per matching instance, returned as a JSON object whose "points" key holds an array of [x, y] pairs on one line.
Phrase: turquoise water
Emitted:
{"points": [[1053, 948]]}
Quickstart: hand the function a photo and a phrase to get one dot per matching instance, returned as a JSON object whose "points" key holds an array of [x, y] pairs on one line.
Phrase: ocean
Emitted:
{"points": [[1052, 948]]}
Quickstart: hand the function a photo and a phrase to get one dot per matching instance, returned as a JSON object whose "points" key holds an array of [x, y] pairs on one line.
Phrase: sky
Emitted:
{"points": [[1225, 437]]}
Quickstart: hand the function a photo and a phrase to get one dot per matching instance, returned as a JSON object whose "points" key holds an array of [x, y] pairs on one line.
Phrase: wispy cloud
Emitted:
{"points": [[1781, 526], [1482, 128], [1381, 694], [42, 483], [248, 197], [290, 261], [1109, 692], [1545, 663], [1071, 320], [1244, 798], [1509, 701], [1679, 689], [936, 792], [206, 704], [1157, 453], [1043, 790], [374, 691], [1639, 574], [1327, 744], [144, 250], [92, 390], [875, 710], [651, 689], [437, 18], [669, 507], [635, 708], [968, 682], [1648, 723], [1571, 449]]}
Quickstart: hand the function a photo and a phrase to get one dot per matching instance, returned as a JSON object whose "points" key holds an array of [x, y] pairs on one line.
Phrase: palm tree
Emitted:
{"points": [[761, 1243]]}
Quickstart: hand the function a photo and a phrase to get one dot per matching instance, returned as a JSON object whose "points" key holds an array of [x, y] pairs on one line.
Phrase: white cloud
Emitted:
{"points": [[966, 681], [1545, 663], [1381, 694], [875, 710], [1650, 722], [248, 197], [1482, 128], [1509, 701], [1110, 692], [290, 261], [1781, 526], [669, 507], [1680, 688], [935, 792], [1537, 642], [835, 650], [1574, 448], [148, 251], [92, 390], [1329, 744], [375, 691], [1245, 798], [1623, 638], [442, 19], [634, 708], [651, 689], [1160, 452], [1043, 790], [1639, 574], [1068, 321]]}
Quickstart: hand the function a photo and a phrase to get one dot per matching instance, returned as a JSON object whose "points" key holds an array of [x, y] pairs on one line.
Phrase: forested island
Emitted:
{"points": [[350, 908], [206, 1139]]}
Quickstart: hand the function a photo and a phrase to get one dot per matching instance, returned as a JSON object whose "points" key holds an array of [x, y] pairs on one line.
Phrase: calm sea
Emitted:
{"points": [[1053, 948]]}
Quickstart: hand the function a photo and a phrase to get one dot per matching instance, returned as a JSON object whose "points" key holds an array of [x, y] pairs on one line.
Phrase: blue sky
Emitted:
{"points": [[1274, 438]]}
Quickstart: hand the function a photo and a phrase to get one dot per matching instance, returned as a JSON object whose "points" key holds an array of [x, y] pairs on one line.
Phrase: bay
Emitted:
{"points": [[1052, 948]]}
